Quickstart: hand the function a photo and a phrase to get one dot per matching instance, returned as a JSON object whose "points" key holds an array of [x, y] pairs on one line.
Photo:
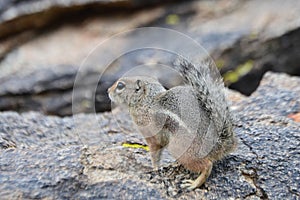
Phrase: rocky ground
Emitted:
{"points": [[86, 157], [102, 156]]}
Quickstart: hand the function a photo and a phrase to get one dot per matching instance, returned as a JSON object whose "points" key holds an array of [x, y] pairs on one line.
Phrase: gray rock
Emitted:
{"points": [[38, 67], [21, 15], [83, 157], [50, 91]]}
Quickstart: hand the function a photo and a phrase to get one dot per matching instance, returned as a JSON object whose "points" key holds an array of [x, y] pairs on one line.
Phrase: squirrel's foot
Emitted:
{"points": [[193, 184], [155, 158], [155, 168], [189, 184]]}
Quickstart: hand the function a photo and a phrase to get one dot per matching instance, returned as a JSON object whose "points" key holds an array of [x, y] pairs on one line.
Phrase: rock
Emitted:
{"points": [[17, 16], [84, 156], [246, 38], [45, 73], [267, 42], [51, 90], [266, 113], [244, 41]]}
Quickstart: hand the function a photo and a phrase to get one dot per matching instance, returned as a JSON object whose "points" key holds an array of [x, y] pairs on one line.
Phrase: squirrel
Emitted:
{"points": [[192, 121]]}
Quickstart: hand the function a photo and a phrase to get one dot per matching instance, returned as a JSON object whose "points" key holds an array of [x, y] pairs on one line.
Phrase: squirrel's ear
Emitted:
{"points": [[138, 84]]}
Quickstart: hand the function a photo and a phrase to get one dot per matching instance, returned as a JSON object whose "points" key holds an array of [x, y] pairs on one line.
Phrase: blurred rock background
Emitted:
{"points": [[43, 43]]}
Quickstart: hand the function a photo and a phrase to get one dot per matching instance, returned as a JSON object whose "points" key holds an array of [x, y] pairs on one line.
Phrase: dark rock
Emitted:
{"points": [[50, 91], [44, 83], [21, 15], [236, 33], [53, 90], [82, 157], [272, 137], [271, 55], [255, 34]]}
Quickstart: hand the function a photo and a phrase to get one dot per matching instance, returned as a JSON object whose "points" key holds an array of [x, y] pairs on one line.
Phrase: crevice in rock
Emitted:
{"points": [[253, 177], [293, 192], [249, 146], [261, 192]]}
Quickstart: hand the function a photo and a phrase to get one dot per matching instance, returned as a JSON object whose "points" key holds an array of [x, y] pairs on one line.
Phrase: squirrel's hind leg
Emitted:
{"points": [[155, 151], [205, 172], [155, 158]]}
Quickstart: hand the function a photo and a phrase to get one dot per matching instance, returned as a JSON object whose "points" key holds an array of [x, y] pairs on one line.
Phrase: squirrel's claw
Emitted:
{"points": [[193, 184], [188, 184], [155, 168]]}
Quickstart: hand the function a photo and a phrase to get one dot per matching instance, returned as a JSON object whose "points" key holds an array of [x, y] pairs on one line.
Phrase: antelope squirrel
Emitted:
{"points": [[192, 121]]}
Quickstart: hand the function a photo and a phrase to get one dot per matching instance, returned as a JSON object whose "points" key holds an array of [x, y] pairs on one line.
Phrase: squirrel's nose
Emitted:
{"points": [[111, 88], [108, 90]]}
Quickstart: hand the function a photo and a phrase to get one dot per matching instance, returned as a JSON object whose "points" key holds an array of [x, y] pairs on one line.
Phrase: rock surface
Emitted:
{"points": [[21, 15], [244, 41], [83, 157]]}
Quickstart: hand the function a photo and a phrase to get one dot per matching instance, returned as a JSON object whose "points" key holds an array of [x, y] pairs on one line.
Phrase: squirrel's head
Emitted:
{"points": [[131, 90]]}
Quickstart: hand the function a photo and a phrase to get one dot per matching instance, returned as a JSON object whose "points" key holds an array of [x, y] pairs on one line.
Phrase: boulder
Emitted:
{"points": [[244, 41], [102, 156]]}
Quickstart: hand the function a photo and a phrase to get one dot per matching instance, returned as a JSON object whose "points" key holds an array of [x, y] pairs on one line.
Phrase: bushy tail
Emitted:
{"points": [[209, 89]]}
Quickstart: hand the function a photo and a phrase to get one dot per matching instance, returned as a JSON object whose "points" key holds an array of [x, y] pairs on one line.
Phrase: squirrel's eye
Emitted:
{"points": [[120, 86]]}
